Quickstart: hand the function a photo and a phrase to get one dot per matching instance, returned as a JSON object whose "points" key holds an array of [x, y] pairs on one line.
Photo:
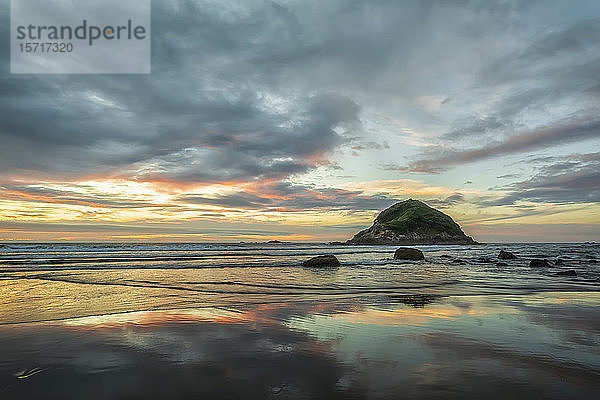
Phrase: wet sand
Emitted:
{"points": [[544, 345]]}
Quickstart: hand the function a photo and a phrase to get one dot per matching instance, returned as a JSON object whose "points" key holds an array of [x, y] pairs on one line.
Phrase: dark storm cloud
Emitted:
{"points": [[554, 75], [575, 46], [451, 200], [561, 65], [265, 90], [573, 179], [203, 115], [571, 131], [220, 72], [287, 197], [478, 127], [45, 195], [238, 200]]}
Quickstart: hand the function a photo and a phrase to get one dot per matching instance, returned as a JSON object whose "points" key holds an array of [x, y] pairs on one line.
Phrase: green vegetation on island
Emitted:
{"points": [[412, 222]]}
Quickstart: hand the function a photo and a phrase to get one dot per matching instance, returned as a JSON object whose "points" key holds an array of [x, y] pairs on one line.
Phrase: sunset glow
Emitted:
{"points": [[303, 133]]}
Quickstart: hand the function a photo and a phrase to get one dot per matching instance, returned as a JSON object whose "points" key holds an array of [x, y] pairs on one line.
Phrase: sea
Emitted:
{"points": [[247, 320]]}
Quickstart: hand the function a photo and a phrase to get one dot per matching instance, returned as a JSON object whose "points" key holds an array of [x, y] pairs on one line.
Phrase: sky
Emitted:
{"points": [[300, 120]]}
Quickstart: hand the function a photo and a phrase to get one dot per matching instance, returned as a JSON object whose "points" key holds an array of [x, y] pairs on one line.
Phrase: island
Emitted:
{"points": [[411, 222]]}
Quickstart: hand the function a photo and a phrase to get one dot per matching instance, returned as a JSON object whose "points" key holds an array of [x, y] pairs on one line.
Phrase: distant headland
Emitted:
{"points": [[411, 222]]}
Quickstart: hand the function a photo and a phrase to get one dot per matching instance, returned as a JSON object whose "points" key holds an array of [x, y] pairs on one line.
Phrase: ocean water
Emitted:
{"points": [[134, 277], [248, 321]]}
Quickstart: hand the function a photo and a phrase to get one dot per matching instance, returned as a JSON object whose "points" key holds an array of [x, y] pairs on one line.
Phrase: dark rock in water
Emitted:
{"points": [[459, 261], [445, 256], [539, 263], [559, 262], [335, 243], [506, 255], [411, 222], [416, 300], [501, 264], [407, 253], [483, 259], [570, 272], [328, 261]]}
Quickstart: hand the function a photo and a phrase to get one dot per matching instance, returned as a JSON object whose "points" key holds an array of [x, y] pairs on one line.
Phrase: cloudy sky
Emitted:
{"points": [[301, 119]]}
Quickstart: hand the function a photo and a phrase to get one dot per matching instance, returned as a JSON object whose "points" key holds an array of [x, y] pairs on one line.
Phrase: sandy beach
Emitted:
{"points": [[244, 330]]}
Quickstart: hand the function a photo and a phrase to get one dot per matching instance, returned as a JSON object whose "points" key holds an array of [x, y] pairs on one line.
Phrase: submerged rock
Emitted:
{"points": [[570, 272], [536, 263], [328, 261], [506, 255], [559, 262], [407, 253], [416, 300], [483, 259], [411, 222]]}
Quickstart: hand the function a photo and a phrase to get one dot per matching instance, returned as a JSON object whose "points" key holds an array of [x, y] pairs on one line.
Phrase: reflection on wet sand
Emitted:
{"points": [[453, 347]]}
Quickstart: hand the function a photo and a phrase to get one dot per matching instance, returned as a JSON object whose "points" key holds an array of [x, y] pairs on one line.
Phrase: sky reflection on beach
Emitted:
{"points": [[450, 347]]}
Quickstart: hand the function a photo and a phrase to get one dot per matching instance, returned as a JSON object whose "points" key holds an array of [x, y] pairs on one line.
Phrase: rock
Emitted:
{"points": [[416, 300], [328, 261], [445, 256], [570, 272], [407, 253], [501, 264], [335, 243], [411, 222], [559, 262], [506, 255], [483, 259], [536, 263], [459, 261]]}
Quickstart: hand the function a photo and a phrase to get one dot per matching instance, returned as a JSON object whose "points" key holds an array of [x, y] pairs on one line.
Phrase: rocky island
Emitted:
{"points": [[411, 222]]}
